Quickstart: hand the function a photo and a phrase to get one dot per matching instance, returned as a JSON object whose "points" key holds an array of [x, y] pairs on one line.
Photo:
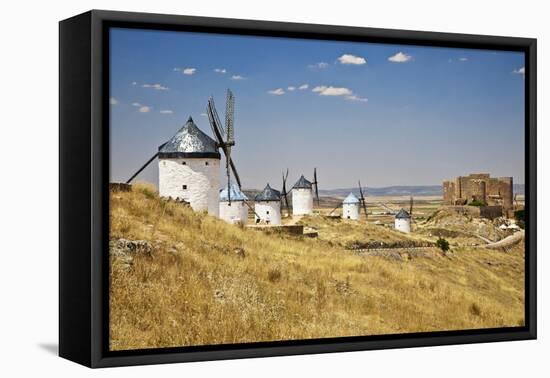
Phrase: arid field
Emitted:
{"points": [[179, 278]]}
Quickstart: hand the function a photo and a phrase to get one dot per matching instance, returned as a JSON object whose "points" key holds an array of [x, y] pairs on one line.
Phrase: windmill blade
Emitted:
{"points": [[144, 165], [285, 194], [142, 168], [230, 118], [362, 199], [333, 210], [215, 123], [316, 185], [234, 170], [411, 206], [386, 207]]}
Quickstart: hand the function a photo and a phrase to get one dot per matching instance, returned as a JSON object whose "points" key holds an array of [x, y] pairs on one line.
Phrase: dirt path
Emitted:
{"points": [[507, 241]]}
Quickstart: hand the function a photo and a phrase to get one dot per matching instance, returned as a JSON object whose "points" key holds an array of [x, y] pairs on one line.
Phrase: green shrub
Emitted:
{"points": [[519, 216], [442, 244], [477, 203]]}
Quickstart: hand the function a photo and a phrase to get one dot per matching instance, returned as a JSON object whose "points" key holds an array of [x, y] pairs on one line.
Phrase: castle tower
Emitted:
{"points": [[302, 197], [403, 221], [189, 169], [233, 209], [350, 207], [268, 206]]}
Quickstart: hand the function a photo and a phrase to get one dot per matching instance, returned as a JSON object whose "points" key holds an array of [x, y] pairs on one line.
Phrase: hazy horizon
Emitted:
{"points": [[387, 115]]}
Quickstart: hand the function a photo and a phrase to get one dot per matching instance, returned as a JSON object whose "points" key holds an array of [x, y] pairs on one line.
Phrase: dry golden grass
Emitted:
{"points": [[196, 289]]}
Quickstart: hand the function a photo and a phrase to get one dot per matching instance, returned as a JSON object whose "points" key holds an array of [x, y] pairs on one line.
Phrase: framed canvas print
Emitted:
{"points": [[233, 188]]}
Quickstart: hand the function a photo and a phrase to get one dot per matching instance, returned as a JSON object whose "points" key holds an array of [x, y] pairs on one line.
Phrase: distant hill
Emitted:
{"points": [[402, 190], [418, 190]]}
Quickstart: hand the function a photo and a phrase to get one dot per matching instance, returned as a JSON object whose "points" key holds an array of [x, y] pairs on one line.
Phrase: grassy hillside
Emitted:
{"points": [[196, 280]]}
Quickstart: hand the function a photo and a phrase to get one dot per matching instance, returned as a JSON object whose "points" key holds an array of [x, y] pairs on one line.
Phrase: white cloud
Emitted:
{"points": [[237, 77], [352, 59], [332, 91], [357, 98], [463, 59], [137, 104], [167, 111], [400, 57], [203, 115], [303, 87], [158, 87], [113, 101], [277, 92], [291, 88], [519, 71], [186, 70], [320, 65], [347, 93], [220, 70], [134, 82], [144, 109]]}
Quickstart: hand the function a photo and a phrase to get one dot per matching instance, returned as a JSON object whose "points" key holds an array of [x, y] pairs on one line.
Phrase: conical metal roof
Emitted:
{"points": [[302, 183], [268, 194], [351, 198], [234, 191], [191, 142], [402, 214]]}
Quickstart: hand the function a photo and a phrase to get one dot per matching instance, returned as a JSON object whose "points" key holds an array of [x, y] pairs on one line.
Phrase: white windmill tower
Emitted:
{"points": [[189, 168], [268, 206], [233, 207], [350, 207], [302, 195], [403, 221]]}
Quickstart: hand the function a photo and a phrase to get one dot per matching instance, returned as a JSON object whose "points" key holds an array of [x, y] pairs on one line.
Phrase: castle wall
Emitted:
{"points": [[201, 177], [481, 187]]}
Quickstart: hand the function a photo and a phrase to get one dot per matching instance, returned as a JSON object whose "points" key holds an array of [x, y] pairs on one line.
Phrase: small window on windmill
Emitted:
{"points": [[183, 163], [184, 187], [267, 212], [205, 163]]}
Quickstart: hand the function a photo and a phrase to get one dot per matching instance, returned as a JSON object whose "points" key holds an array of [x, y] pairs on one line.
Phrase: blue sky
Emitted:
{"points": [[385, 114]]}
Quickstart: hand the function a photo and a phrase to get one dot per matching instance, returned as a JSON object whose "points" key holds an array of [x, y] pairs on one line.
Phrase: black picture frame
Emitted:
{"points": [[84, 177]]}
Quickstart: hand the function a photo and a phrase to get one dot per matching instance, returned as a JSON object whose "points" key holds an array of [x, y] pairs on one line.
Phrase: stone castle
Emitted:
{"points": [[480, 187]]}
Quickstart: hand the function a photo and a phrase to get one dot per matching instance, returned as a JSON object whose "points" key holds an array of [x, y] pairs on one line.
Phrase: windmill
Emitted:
{"points": [[225, 137], [284, 192], [362, 200], [316, 184], [411, 202]]}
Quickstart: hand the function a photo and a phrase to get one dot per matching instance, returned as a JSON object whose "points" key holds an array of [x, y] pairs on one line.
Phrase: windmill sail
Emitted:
{"points": [[284, 192], [225, 137], [362, 199], [316, 185], [144, 165]]}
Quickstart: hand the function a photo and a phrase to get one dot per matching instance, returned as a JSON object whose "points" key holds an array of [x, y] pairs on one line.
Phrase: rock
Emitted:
{"points": [[239, 252], [125, 247], [219, 295]]}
